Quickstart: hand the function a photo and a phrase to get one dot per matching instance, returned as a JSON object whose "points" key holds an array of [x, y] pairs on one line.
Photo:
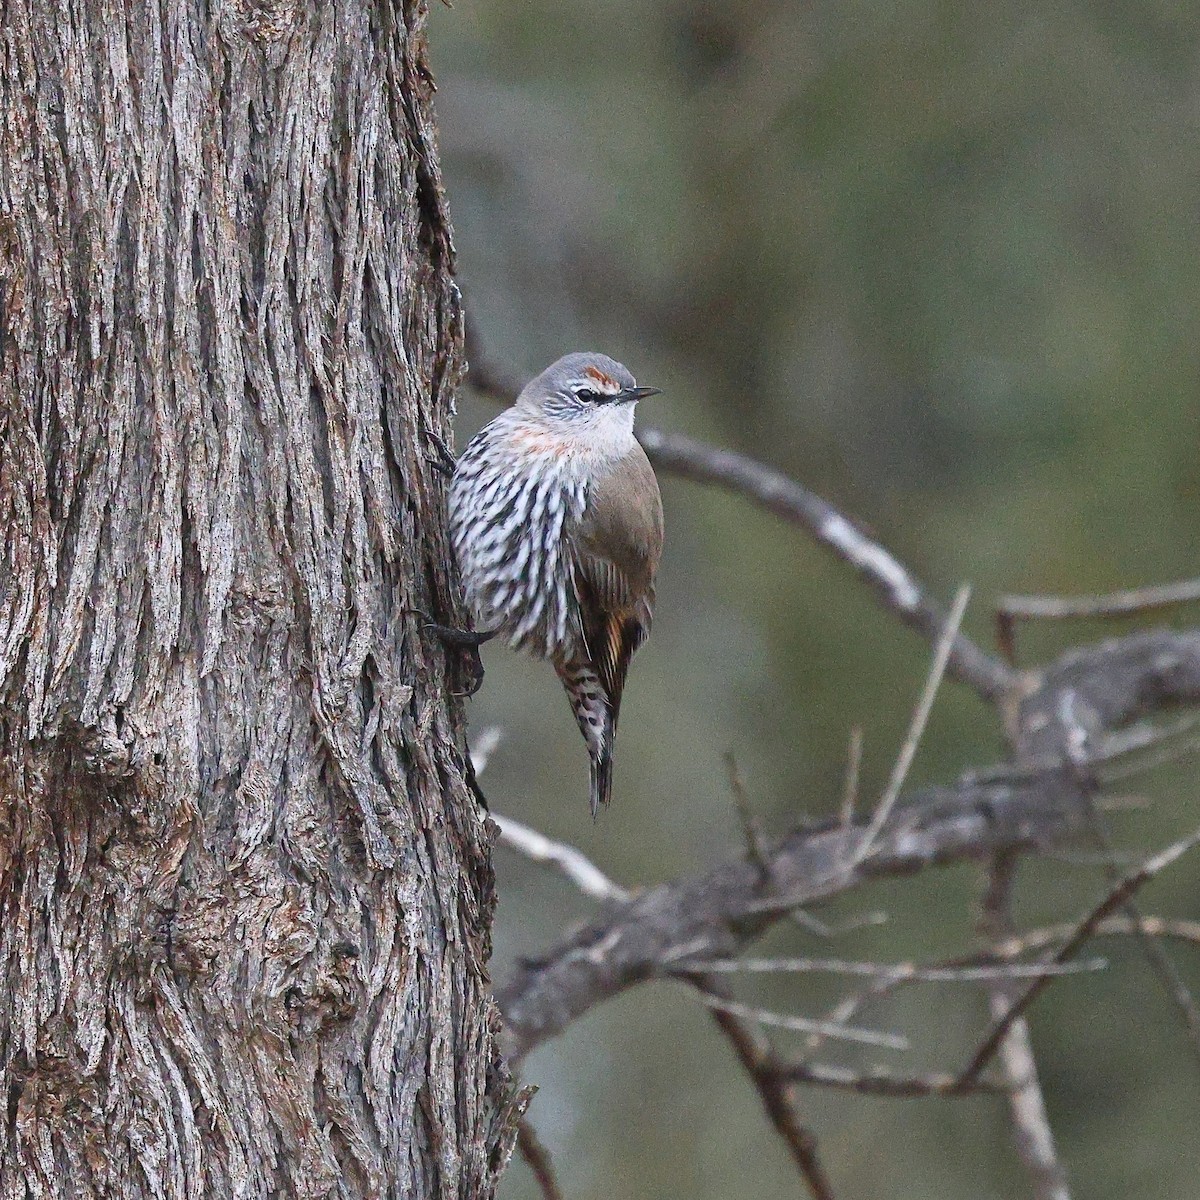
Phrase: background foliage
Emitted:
{"points": [[940, 263]]}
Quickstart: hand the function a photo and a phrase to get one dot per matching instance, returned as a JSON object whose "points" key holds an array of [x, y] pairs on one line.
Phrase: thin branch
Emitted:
{"points": [[835, 1030], [896, 973], [1163, 755], [848, 1007], [1118, 896], [1027, 1107], [920, 719], [853, 767], [1010, 609], [483, 746], [823, 929], [1039, 939], [877, 1082], [574, 864], [758, 1058], [1122, 603], [1034, 1137], [537, 1158], [752, 831]]}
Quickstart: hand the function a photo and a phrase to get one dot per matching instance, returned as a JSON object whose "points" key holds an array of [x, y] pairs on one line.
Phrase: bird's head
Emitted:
{"points": [[588, 393]]}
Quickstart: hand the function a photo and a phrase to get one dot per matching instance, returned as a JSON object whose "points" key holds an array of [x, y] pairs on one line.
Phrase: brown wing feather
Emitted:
{"points": [[611, 638], [617, 549]]}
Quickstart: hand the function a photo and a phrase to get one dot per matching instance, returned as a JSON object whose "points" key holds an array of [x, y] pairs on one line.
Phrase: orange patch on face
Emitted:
{"points": [[599, 376]]}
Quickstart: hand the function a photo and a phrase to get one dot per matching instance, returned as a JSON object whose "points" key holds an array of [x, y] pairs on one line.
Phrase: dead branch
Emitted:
{"points": [[720, 911], [1010, 609], [537, 1159], [877, 1082], [1158, 927], [897, 973], [758, 1058], [1032, 1134], [1122, 603], [574, 864], [835, 1030], [1115, 898], [920, 718]]}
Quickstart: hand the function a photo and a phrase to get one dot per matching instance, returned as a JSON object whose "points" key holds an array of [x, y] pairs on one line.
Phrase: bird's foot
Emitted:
{"points": [[466, 643], [460, 639], [445, 462]]}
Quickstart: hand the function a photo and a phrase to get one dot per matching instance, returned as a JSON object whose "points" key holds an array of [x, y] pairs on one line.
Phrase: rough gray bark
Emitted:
{"points": [[245, 893]]}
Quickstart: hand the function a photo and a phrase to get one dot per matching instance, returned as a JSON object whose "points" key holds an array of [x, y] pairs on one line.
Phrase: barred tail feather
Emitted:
{"points": [[601, 779], [596, 720]]}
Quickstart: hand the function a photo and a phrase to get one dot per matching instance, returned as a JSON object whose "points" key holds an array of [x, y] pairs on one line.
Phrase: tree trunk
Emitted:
{"points": [[245, 893]]}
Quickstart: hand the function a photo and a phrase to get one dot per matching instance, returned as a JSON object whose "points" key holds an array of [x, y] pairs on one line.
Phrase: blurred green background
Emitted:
{"points": [[940, 263]]}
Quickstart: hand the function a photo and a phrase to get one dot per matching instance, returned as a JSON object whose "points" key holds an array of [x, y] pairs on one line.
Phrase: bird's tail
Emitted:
{"points": [[597, 722], [602, 773]]}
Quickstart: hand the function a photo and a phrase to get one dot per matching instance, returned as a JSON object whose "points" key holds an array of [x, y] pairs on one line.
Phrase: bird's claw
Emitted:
{"points": [[472, 667], [465, 642], [445, 462]]}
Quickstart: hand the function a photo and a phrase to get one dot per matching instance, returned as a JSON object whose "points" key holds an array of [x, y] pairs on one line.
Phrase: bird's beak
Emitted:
{"points": [[638, 393]]}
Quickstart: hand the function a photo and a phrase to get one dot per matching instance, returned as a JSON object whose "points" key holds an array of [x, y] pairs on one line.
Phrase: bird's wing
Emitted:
{"points": [[616, 551]]}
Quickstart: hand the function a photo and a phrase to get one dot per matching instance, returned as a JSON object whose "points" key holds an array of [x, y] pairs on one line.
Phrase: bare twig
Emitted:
{"points": [[896, 973], [483, 746], [537, 1158], [1038, 939], [1164, 752], [1010, 609], [916, 728], [813, 925], [836, 1030], [1032, 1134], [756, 1055], [752, 832], [877, 1082], [853, 766], [1122, 603], [574, 864], [846, 1008], [1118, 896]]}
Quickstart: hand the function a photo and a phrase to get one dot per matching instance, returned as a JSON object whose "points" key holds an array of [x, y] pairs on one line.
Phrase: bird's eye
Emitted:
{"points": [[587, 395]]}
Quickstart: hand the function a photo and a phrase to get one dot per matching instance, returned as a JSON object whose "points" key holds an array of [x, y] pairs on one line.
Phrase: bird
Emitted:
{"points": [[557, 526]]}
